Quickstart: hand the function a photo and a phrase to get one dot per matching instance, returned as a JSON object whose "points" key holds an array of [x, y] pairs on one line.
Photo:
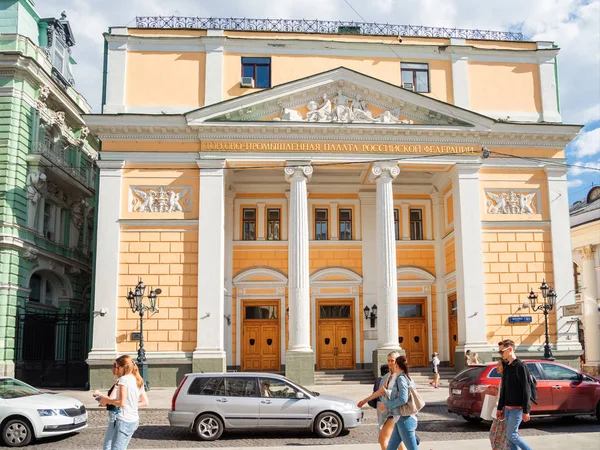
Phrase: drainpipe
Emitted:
{"points": [[104, 72], [556, 79]]}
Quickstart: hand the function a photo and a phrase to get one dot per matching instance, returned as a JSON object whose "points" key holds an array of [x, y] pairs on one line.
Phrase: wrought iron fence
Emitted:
{"points": [[321, 27], [57, 155], [51, 348]]}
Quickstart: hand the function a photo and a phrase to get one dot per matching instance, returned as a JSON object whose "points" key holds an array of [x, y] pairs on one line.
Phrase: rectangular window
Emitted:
{"points": [[334, 312], [273, 224], [48, 229], [241, 387], [207, 386], [397, 224], [416, 225], [261, 312], [259, 69], [415, 77], [345, 219], [321, 220], [415, 310], [249, 220]]}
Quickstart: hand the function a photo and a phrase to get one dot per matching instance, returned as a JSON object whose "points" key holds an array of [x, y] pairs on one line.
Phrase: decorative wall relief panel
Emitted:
{"points": [[512, 202], [160, 199]]}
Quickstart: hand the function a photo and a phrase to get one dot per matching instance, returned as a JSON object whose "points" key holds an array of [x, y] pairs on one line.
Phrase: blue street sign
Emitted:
{"points": [[519, 319]]}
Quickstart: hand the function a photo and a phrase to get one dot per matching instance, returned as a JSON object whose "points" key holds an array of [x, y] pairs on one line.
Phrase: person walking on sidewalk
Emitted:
{"points": [[113, 411], [130, 396], [515, 395], [435, 364], [498, 429]]}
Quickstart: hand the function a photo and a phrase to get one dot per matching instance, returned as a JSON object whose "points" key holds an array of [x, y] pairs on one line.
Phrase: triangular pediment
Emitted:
{"points": [[339, 96]]}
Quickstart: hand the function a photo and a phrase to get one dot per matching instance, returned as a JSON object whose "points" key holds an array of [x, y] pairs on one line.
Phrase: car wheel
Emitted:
{"points": [[16, 433], [209, 427], [328, 425], [471, 419]]}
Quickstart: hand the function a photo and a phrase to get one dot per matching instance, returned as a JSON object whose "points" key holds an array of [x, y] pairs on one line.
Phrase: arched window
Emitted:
{"points": [[42, 290]]}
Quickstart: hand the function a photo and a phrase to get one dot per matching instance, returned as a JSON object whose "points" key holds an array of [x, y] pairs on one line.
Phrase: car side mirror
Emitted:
{"points": [[300, 395], [580, 376]]}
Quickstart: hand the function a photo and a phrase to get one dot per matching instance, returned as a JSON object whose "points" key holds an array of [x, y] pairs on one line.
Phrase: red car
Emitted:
{"points": [[561, 390]]}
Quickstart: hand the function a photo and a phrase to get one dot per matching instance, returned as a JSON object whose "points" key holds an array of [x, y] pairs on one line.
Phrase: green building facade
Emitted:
{"points": [[47, 202]]}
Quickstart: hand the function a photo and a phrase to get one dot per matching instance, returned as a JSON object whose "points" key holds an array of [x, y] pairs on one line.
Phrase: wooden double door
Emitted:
{"points": [[335, 334], [452, 326], [260, 338], [412, 330]]}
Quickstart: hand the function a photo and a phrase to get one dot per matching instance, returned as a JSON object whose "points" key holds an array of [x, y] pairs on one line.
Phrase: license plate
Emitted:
{"points": [[456, 391], [79, 419]]}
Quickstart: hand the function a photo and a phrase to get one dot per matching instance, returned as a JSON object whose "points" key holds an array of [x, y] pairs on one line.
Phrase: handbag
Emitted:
{"points": [[488, 409], [414, 404], [373, 403]]}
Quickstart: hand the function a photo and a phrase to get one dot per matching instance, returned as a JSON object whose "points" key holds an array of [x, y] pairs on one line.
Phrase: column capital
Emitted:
{"points": [[215, 164], [587, 252], [385, 169], [465, 170], [437, 198], [556, 172], [298, 172], [106, 166]]}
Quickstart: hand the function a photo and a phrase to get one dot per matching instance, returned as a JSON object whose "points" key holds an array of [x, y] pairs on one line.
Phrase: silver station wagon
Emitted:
{"points": [[209, 403]]}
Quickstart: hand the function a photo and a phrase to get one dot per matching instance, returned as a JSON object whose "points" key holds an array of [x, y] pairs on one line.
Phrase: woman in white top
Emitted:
{"points": [[130, 396]]}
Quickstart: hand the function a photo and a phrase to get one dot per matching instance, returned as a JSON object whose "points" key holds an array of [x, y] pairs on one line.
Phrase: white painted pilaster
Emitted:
{"points": [[298, 271], [549, 89], [228, 325], [387, 279], [116, 81], [334, 219], [106, 290], [211, 262], [441, 296], [368, 212], [469, 260], [260, 221], [405, 217], [591, 317], [213, 87], [460, 73], [562, 263]]}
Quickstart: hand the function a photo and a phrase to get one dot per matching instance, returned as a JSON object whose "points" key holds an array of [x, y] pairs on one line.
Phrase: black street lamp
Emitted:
{"points": [[549, 297], [371, 313], [135, 299]]}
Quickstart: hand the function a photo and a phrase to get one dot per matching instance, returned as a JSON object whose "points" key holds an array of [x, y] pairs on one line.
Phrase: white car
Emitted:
{"points": [[26, 413]]}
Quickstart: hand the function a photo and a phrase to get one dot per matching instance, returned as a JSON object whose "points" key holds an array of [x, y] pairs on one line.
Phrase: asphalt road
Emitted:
{"points": [[435, 424]]}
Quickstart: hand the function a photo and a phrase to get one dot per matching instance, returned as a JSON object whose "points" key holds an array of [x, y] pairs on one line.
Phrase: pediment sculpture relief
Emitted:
{"points": [[160, 200], [511, 202], [341, 109]]}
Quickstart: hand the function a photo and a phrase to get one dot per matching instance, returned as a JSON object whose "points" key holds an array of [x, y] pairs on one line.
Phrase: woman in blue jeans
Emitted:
{"points": [[406, 426], [130, 396]]}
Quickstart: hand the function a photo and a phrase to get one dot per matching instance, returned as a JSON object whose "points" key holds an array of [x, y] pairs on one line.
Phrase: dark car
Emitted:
{"points": [[561, 390]]}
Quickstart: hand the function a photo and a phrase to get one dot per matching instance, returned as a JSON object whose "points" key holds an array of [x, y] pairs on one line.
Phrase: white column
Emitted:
{"points": [[369, 256], [335, 228], [116, 82], [460, 73], [387, 280], [228, 327], [213, 84], [562, 262], [441, 296], [260, 221], [469, 260], [591, 317], [405, 217], [298, 276], [548, 83], [106, 287], [210, 347]]}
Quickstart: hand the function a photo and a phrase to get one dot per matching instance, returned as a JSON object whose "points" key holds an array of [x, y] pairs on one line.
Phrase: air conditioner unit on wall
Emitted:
{"points": [[408, 86], [247, 82]]}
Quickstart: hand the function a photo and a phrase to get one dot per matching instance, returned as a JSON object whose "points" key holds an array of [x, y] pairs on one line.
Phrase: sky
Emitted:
{"points": [[574, 25]]}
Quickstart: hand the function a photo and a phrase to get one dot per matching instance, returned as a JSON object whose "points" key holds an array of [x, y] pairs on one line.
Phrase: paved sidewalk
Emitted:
{"points": [[160, 398], [583, 441]]}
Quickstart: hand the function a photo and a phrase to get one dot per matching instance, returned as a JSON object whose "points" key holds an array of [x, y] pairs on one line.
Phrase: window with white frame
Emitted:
{"points": [[321, 224], [249, 224], [273, 224], [416, 224], [42, 290], [345, 223]]}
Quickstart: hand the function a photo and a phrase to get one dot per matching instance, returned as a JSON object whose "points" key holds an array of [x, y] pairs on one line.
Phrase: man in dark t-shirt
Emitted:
{"points": [[515, 393]]}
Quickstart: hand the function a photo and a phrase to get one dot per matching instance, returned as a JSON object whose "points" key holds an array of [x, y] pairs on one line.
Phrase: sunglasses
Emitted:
{"points": [[502, 351]]}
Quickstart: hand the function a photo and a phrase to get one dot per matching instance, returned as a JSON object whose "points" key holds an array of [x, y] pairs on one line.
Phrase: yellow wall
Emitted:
{"points": [[169, 260], [504, 87], [245, 257], [334, 256], [423, 257], [514, 263], [165, 79], [450, 254]]}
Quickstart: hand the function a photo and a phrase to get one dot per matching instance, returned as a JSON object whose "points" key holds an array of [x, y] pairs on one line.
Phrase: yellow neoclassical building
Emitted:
{"points": [[311, 195]]}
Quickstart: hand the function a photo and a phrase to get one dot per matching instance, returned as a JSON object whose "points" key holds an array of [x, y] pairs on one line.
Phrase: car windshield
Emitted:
{"points": [[313, 393], [11, 388], [469, 374]]}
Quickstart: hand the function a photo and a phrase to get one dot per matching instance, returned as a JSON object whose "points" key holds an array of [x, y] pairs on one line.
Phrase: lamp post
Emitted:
{"points": [[135, 299], [549, 297]]}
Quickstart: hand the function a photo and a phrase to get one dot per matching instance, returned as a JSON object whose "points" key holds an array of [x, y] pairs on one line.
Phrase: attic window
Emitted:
{"points": [[259, 69], [349, 30], [415, 76]]}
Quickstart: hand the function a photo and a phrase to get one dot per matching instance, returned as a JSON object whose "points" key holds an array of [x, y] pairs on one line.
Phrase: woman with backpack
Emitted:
{"points": [[435, 363], [384, 418]]}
